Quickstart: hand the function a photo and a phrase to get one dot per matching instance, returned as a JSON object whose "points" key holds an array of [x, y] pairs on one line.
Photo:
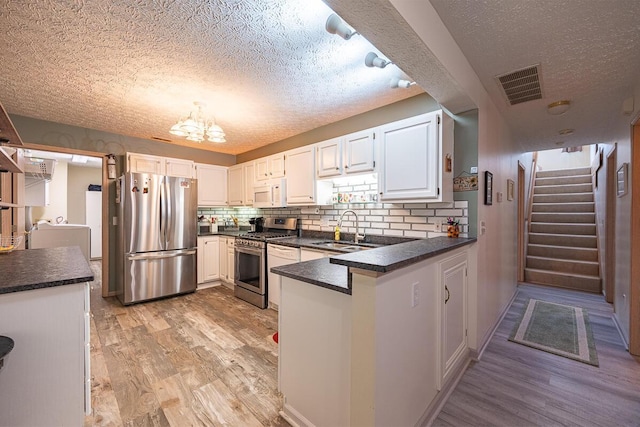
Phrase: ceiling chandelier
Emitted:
{"points": [[196, 127]]}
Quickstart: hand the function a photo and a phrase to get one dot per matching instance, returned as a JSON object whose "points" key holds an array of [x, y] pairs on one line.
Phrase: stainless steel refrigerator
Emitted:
{"points": [[157, 237]]}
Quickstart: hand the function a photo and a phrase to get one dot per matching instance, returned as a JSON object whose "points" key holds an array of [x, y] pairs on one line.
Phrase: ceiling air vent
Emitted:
{"points": [[521, 85]]}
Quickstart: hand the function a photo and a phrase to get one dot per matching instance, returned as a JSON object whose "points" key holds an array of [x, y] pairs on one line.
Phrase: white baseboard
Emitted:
{"points": [[622, 337], [293, 417], [477, 355]]}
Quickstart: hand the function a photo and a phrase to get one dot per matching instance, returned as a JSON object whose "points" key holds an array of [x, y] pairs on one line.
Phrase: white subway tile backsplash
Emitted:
{"points": [[419, 234], [379, 225], [461, 204], [422, 212], [374, 218], [449, 212], [401, 212], [419, 219], [400, 226], [391, 232]]}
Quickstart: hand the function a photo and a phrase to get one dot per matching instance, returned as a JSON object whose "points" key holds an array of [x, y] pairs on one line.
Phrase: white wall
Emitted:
{"points": [[57, 197], [556, 159], [79, 178]]}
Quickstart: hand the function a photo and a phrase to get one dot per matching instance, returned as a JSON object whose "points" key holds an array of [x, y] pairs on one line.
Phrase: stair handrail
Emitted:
{"points": [[532, 183]]}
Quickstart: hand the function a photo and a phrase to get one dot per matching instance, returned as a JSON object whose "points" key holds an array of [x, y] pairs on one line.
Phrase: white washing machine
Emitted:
{"points": [[48, 235]]}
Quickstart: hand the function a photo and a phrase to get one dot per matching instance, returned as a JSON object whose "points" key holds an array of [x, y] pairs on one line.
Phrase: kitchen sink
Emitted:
{"points": [[344, 246]]}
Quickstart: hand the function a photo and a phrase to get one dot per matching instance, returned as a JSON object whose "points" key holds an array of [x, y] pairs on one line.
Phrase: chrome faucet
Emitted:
{"points": [[357, 236]]}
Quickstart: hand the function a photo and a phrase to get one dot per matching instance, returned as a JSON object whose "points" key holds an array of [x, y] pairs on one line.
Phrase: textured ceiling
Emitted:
{"points": [[588, 51], [266, 69]]}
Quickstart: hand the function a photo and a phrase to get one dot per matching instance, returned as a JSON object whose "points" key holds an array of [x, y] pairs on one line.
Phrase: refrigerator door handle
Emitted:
{"points": [[163, 215], [160, 255], [168, 212]]}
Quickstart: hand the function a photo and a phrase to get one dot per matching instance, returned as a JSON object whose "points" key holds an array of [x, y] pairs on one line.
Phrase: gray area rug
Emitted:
{"points": [[556, 328]]}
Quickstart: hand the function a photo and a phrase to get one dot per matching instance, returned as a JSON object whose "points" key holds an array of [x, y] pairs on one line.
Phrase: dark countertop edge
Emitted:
{"points": [[43, 285], [414, 254], [73, 268], [307, 272], [6, 345], [223, 233]]}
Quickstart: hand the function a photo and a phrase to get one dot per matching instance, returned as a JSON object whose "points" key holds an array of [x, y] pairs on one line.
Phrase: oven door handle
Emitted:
{"points": [[250, 251]]}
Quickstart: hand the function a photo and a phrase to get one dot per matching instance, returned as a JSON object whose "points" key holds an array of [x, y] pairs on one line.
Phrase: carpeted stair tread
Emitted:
{"points": [[563, 228], [580, 282], [564, 172], [576, 240], [563, 198], [564, 180], [571, 266], [564, 217], [556, 189], [577, 207], [563, 252]]}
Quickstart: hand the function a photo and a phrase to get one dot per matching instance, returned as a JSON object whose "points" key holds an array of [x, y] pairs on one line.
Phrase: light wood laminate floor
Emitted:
{"points": [[203, 359], [514, 385], [208, 359]]}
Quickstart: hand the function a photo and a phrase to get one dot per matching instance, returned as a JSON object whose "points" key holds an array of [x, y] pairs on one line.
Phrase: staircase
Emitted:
{"points": [[562, 249]]}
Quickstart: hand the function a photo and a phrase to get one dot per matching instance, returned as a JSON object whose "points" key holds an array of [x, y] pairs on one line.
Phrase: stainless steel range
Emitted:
{"points": [[251, 259]]}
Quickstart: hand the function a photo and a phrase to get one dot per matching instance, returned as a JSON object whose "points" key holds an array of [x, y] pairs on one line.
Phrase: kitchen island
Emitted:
{"points": [[378, 336], [44, 309]]}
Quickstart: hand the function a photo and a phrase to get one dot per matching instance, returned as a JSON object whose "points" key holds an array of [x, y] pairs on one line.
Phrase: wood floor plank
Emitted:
{"points": [[517, 385], [222, 408]]}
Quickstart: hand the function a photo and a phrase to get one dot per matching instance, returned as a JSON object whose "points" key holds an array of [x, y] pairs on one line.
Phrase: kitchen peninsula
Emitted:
{"points": [[44, 308], [378, 336]]}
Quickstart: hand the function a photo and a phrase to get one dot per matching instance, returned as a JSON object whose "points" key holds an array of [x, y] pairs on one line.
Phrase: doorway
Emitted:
{"points": [[521, 225], [609, 227], [634, 288]]}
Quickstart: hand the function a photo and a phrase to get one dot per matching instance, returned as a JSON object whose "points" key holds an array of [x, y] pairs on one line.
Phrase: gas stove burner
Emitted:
{"points": [[264, 235]]}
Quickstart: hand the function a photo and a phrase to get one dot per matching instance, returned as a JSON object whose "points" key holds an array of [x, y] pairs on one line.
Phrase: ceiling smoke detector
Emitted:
{"points": [[521, 85]]}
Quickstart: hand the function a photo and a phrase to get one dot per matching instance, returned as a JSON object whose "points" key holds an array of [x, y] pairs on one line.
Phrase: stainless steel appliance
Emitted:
{"points": [[257, 224], [251, 274], [156, 251]]}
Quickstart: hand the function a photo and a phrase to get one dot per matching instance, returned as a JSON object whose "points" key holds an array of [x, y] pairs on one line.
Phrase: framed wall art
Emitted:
{"points": [[488, 188], [621, 180]]}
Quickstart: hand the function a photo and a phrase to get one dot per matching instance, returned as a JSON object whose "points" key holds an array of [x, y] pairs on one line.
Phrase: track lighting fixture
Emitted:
{"points": [[396, 82], [373, 60], [335, 25]]}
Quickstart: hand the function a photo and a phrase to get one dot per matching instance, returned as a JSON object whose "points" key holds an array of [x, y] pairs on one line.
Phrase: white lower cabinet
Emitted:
{"points": [[231, 261], [224, 271], [208, 259], [453, 296], [46, 379], [277, 256]]}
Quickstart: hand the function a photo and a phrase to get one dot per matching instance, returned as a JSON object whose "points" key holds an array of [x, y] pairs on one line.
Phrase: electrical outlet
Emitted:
{"points": [[415, 297], [474, 169]]}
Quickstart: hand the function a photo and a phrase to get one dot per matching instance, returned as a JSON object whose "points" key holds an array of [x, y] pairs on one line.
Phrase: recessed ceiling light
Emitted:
{"points": [[566, 131], [558, 107], [559, 142]]}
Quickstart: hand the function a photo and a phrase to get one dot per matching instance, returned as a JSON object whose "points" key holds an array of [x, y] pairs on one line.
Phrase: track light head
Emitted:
{"points": [[373, 60], [335, 25], [396, 82]]}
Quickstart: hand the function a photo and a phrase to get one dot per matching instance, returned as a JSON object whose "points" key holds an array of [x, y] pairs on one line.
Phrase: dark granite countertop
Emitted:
{"points": [[43, 268], [384, 259], [318, 272], [310, 241], [224, 233], [394, 257]]}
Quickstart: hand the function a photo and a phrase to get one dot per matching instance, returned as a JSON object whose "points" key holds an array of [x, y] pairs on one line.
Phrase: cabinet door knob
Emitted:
{"points": [[337, 168], [346, 166], [446, 300]]}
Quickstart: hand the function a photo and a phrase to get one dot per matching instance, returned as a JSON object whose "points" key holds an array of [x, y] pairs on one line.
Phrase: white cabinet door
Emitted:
{"points": [[249, 181], [93, 218], [236, 186], [180, 168], [302, 187], [208, 259], [211, 259], [224, 271], [146, 163], [231, 262], [269, 167], [359, 152], [328, 158], [409, 154], [212, 185], [301, 182], [453, 288]]}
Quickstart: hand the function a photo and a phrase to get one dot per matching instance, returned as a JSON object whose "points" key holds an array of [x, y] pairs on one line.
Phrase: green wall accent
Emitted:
{"points": [[465, 153]]}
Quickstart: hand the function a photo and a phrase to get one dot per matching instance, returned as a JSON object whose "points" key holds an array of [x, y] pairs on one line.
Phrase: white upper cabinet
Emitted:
{"points": [[147, 163], [212, 185], [413, 153], [329, 158], [269, 167], [180, 168], [236, 186], [241, 181], [359, 152], [353, 153], [302, 187]]}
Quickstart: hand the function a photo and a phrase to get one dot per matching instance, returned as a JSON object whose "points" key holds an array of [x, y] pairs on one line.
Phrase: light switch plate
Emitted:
{"points": [[474, 169]]}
